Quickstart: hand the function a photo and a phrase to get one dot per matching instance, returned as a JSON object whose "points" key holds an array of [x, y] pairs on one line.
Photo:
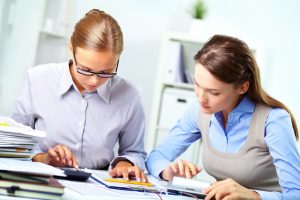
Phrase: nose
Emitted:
{"points": [[94, 80], [201, 96]]}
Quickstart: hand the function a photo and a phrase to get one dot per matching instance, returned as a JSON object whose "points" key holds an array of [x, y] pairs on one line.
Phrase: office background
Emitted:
{"points": [[269, 26]]}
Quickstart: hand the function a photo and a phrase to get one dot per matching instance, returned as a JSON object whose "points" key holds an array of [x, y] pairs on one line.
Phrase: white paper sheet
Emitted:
{"points": [[29, 167]]}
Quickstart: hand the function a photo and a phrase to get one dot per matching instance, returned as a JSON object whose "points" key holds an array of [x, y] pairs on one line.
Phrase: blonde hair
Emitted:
{"points": [[98, 31]]}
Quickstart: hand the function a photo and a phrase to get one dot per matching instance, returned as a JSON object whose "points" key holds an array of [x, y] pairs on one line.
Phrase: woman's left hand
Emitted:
{"points": [[125, 169], [229, 190]]}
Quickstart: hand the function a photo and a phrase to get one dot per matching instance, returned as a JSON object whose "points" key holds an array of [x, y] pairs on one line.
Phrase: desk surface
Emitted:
{"points": [[71, 195], [110, 194], [89, 191]]}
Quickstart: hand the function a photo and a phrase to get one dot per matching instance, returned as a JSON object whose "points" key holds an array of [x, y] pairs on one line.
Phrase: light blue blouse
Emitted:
{"points": [[90, 124], [279, 136]]}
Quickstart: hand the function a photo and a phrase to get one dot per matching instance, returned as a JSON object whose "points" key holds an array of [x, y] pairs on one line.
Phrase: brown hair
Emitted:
{"points": [[98, 31], [231, 61]]}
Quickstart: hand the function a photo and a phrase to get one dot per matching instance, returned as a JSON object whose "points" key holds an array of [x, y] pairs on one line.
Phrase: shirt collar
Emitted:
{"points": [[245, 105], [104, 90], [67, 82]]}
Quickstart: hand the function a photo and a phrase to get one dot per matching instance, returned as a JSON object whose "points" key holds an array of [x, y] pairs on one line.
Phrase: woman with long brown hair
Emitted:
{"points": [[249, 138], [84, 106]]}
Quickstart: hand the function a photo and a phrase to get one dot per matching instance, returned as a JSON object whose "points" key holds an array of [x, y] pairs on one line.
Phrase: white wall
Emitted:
{"points": [[270, 26], [273, 28], [19, 36], [143, 23]]}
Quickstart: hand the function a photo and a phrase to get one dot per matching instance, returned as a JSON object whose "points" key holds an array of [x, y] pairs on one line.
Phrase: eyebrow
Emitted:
{"points": [[88, 69], [210, 89]]}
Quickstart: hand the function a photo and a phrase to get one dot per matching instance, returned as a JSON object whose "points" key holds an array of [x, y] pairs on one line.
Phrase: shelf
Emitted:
{"points": [[187, 86], [53, 34], [183, 37], [51, 42], [174, 91]]}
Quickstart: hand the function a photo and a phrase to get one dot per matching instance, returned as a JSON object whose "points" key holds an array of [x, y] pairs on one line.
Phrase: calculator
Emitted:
{"points": [[75, 174]]}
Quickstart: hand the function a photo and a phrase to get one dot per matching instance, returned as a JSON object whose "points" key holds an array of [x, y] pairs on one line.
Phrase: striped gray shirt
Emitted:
{"points": [[90, 124]]}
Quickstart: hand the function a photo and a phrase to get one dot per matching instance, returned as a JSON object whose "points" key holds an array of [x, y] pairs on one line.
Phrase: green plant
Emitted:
{"points": [[198, 9]]}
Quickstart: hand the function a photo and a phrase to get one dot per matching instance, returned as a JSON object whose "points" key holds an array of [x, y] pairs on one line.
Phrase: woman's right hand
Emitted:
{"points": [[180, 168], [59, 156]]}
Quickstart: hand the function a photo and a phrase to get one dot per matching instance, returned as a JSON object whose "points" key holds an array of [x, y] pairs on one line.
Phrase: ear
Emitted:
{"points": [[244, 87]]}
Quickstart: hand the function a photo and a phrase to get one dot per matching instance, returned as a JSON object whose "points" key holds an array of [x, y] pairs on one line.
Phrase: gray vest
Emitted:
{"points": [[252, 166]]}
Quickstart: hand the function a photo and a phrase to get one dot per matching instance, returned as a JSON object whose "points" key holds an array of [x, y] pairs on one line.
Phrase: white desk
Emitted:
{"points": [[71, 195], [111, 194], [104, 193]]}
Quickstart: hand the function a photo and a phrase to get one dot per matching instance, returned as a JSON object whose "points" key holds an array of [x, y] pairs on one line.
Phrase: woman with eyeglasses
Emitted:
{"points": [[84, 107], [248, 137]]}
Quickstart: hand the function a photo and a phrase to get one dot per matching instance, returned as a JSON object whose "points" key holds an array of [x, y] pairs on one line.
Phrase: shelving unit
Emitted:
{"points": [[20, 23], [52, 47], [54, 32], [32, 33], [166, 80], [174, 92]]}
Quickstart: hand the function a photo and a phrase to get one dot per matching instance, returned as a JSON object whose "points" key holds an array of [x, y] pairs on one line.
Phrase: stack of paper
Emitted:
{"points": [[29, 179], [16, 140]]}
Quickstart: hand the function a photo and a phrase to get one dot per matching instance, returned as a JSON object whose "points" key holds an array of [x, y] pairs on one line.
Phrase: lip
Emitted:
{"points": [[204, 106], [92, 86]]}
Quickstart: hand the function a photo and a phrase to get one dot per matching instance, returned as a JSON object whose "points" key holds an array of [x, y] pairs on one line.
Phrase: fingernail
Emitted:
{"points": [[138, 179], [144, 180], [57, 158], [70, 162]]}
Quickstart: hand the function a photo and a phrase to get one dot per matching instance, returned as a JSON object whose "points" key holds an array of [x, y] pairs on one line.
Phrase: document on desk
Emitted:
{"points": [[29, 167], [16, 140], [93, 188], [96, 189], [13, 128], [85, 188], [121, 184], [96, 185]]}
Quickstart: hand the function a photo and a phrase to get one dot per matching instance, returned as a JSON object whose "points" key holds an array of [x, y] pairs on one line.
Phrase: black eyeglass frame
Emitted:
{"points": [[99, 74]]}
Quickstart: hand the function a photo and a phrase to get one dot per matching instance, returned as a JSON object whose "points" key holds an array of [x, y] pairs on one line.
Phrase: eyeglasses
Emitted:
{"points": [[99, 74]]}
